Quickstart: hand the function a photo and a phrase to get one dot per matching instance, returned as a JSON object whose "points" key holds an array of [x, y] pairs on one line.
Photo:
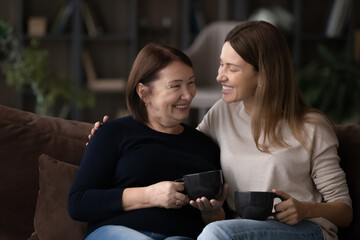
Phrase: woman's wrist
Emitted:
{"points": [[213, 215], [310, 209], [135, 198]]}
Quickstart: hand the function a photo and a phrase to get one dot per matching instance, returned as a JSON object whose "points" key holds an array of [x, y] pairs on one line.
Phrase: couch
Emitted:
{"points": [[39, 157]]}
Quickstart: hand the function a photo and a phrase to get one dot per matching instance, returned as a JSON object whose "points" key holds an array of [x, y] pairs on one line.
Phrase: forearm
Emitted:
{"points": [[135, 198], [93, 205], [337, 212], [163, 194]]}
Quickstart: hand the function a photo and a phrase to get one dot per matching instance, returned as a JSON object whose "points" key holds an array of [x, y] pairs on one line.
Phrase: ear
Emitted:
{"points": [[141, 90]]}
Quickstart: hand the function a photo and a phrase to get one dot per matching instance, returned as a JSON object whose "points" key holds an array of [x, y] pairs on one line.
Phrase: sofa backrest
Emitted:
{"points": [[24, 136], [349, 152]]}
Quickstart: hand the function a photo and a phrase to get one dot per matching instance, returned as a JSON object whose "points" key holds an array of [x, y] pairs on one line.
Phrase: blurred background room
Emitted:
{"points": [[71, 58]]}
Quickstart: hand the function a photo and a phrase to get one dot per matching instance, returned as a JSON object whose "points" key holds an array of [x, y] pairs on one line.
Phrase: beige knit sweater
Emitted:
{"points": [[307, 175]]}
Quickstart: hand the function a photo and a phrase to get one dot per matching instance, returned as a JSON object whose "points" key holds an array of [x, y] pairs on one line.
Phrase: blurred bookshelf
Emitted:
{"points": [[111, 32]]}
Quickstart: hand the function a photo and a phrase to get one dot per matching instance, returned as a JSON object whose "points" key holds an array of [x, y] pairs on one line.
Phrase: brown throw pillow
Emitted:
{"points": [[52, 221]]}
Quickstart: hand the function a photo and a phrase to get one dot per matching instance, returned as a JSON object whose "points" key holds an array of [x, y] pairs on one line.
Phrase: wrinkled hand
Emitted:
{"points": [[211, 209], [96, 127], [167, 194], [289, 211]]}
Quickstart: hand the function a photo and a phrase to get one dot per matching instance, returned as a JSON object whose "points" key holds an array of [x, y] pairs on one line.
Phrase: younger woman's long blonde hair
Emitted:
{"points": [[277, 97]]}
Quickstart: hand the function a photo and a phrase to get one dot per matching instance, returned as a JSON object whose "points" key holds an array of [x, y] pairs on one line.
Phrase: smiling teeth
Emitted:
{"points": [[181, 106], [227, 88]]}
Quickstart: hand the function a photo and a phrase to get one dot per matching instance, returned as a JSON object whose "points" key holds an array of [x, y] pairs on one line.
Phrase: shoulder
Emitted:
{"points": [[119, 124], [220, 114], [219, 119], [198, 136], [318, 120], [119, 121], [222, 109], [320, 127], [193, 131]]}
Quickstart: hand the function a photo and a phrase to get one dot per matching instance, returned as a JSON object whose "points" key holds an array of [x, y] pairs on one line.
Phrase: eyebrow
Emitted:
{"points": [[233, 64], [180, 80], [230, 64]]}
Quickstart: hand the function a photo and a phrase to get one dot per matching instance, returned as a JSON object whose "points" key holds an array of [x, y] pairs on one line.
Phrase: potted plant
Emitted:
{"points": [[26, 67], [332, 84]]}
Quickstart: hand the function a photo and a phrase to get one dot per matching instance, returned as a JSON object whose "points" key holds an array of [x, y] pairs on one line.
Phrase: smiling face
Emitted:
{"points": [[168, 98], [239, 79]]}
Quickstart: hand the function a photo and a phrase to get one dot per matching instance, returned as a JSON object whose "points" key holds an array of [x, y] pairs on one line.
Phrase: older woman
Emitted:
{"points": [[125, 185]]}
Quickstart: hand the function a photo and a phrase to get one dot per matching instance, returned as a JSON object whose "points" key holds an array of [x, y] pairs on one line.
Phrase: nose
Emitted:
{"points": [[221, 76], [188, 93]]}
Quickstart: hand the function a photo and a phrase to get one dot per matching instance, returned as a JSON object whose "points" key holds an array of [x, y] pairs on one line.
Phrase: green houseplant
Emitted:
{"points": [[331, 83], [27, 67]]}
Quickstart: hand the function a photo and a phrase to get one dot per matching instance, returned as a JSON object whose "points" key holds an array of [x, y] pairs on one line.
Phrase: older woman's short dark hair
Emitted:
{"points": [[149, 61]]}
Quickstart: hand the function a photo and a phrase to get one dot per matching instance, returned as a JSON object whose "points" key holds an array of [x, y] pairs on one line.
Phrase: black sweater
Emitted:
{"points": [[124, 153]]}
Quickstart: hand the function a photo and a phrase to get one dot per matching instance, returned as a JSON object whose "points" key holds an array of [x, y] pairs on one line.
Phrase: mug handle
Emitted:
{"points": [[282, 199], [181, 180]]}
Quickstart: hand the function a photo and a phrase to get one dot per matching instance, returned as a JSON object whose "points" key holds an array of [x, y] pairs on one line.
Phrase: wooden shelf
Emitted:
{"points": [[129, 24]]}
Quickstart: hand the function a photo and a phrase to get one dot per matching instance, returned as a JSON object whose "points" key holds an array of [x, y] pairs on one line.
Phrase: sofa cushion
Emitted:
{"points": [[52, 220], [24, 136]]}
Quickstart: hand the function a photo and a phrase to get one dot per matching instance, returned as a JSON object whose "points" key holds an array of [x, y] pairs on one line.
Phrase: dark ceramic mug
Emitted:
{"points": [[255, 205], [203, 184]]}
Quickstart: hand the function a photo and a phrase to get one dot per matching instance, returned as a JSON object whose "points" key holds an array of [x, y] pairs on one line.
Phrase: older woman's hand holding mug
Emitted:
{"points": [[167, 194]]}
